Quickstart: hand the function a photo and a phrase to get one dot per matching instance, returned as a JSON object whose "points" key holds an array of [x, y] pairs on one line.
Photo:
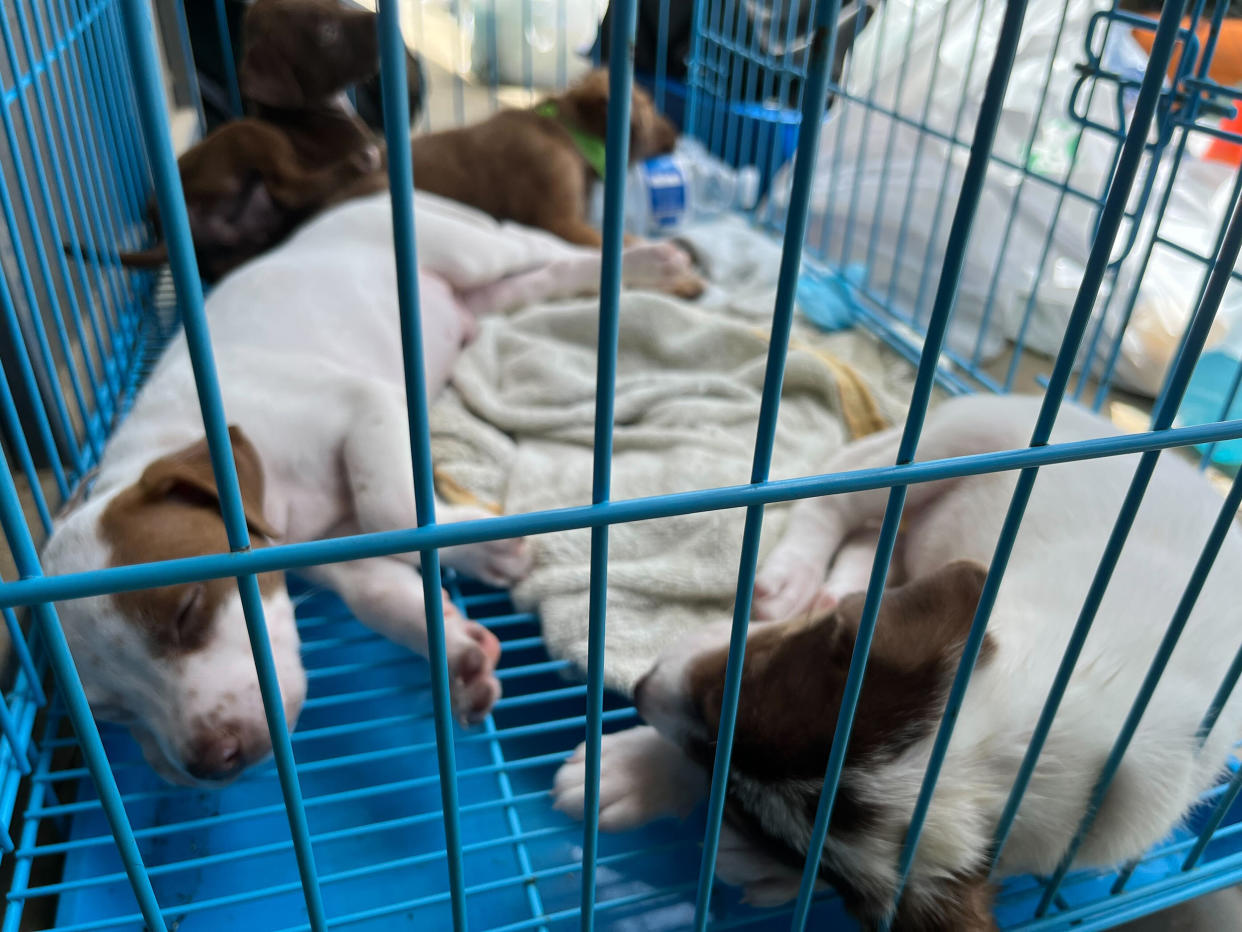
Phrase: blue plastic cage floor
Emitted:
{"points": [[365, 747]]}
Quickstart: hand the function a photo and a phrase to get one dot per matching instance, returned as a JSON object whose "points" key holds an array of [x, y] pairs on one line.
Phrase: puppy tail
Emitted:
{"points": [[151, 258]]}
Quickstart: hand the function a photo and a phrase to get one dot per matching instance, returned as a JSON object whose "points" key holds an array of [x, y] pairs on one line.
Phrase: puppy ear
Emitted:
{"points": [[78, 498], [586, 104], [925, 621], [266, 78], [663, 134], [187, 474], [650, 132]]}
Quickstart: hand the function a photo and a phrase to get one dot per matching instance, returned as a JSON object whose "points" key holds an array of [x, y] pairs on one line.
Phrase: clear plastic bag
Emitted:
{"points": [[885, 189], [529, 43]]}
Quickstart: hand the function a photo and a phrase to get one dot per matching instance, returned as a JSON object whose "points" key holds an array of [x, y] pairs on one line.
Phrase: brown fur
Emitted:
{"points": [[251, 182], [171, 512], [521, 166], [793, 680], [298, 57]]}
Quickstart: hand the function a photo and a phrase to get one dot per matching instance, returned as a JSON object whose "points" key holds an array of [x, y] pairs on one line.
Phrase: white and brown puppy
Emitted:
{"points": [[794, 675], [308, 349]]}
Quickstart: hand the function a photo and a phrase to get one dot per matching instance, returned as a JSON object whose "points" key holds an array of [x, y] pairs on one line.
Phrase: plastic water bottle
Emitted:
{"points": [[665, 193], [1212, 385]]}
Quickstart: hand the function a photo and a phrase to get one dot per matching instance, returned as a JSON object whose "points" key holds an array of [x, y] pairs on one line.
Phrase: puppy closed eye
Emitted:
{"points": [[188, 611]]}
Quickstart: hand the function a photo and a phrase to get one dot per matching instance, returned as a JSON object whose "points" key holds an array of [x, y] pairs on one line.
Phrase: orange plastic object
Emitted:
{"points": [[1226, 67], [1222, 150]]}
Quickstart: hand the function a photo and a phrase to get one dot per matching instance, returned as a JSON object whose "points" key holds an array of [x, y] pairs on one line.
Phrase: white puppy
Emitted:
{"points": [[308, 349], [794, 675]]}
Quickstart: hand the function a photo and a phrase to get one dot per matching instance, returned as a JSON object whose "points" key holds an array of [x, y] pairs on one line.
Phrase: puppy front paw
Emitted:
{"points": [[765, 881], [785, 588], [643, 777], [498, 563], [689, 287], [661, 266], [472, 659]]}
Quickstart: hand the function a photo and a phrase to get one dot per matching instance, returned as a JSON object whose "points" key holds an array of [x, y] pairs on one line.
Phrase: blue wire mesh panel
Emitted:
{"points": [[896, 136], [76, 333], [366, 760], [378, 811]]}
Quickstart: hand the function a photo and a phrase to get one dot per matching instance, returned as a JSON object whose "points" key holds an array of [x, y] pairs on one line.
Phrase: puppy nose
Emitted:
{"points": [[216, 757]]}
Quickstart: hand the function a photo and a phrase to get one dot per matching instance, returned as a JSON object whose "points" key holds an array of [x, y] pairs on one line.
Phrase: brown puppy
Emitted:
{"points": [[253, 181], [528, 165], [298, 56]]}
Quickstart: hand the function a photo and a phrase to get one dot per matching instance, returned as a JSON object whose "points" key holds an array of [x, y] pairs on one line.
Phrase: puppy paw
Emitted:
{"points": [[472, 668], [659, 266], [643, 777], [688, 288], [499, 563], [765, 881], [785, 588]]}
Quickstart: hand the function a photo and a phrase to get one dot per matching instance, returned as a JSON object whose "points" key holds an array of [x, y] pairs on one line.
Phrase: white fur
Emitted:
{"points": [[1070, 515], [308, 350], [628, 795]]}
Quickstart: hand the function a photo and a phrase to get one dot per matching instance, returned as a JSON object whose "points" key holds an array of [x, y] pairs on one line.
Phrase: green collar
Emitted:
{"points": [[590, 147]]}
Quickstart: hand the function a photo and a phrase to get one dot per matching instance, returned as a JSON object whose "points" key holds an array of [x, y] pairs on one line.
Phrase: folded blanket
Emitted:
{"points": [[516, 428]]}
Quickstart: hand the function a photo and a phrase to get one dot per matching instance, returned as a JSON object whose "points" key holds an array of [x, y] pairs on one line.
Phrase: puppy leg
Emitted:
{"points": [[296, 188], [574, 230], [643, 777], [766, 881], [655, 266], [269, 153], [497, 562], [795, 569], [379, 470], [851, 569], [387, 596]]}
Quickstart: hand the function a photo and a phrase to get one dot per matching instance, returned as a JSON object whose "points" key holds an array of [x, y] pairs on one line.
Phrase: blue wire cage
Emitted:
{"points": [[378, 812]]}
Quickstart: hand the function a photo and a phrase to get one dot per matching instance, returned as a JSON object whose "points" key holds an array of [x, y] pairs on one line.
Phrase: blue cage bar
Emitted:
{"points": [[378, 811]]}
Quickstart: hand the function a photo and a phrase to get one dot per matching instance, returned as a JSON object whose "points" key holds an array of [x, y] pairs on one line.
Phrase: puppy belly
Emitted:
{"points": [[447, 326]]}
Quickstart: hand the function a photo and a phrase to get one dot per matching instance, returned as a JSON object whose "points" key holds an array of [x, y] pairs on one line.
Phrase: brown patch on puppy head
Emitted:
{"points": [[173, 511], [585, 104], [299, 53], [793, 681], [794, 677], [924, 622]]}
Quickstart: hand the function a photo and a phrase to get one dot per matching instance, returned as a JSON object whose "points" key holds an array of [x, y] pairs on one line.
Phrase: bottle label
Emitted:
{"points": [[666, 192]]}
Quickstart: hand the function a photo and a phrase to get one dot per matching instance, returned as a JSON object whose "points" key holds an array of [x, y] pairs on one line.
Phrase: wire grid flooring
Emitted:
{"points": [[365, 747]]}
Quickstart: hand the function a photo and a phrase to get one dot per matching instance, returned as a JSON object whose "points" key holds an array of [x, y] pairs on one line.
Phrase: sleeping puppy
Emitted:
{"points": [[794, 675], [246, 188], [298, 59], [252, 181], [535, 167], [307, 344]]}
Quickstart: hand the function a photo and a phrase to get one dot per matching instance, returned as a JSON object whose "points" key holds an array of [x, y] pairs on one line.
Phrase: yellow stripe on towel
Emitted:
{"points": [[453, 492], [859, 411], [858, 406]]}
